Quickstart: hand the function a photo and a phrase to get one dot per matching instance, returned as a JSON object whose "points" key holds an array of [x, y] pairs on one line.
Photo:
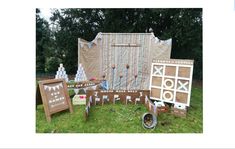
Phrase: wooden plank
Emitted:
{"points": [[38, 96]]}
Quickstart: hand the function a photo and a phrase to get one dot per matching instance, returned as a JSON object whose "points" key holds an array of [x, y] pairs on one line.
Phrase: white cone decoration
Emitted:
{"points": [[80, 76], [61, 73]]}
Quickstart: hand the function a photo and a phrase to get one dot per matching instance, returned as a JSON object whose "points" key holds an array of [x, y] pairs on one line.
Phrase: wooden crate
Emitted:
{"points": [[162, 109], [179, 112]]}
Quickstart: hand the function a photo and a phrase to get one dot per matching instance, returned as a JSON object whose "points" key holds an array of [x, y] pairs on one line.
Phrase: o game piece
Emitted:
{"points": [[166, 83], [180, 106], [169, 93]]}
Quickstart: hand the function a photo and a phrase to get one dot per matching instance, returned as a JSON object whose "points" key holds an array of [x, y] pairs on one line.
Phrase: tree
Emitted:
{"points": [[42, 41], [184, 26]]}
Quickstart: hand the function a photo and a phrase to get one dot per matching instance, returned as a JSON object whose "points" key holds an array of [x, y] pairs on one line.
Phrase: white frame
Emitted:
{"points": [[165, 63]]}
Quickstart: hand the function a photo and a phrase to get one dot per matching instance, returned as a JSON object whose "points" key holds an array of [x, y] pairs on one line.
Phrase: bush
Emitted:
{"points": [[52, 64]]}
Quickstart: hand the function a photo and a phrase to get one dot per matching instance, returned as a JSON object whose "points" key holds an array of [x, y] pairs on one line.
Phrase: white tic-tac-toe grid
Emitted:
{"points": [[171, 81]]}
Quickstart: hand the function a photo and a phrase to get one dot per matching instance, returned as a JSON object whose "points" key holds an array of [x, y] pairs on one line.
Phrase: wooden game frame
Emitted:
{"points": [[173, 78], [142, 95], [122, 94], [49, 111]]}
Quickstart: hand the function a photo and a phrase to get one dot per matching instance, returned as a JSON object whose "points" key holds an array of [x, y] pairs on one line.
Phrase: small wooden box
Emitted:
{"points": [[179, 112], [162, 109]]}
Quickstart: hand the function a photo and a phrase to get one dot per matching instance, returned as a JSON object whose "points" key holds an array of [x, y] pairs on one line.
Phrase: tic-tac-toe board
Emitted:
{"points": [[171, 81]]}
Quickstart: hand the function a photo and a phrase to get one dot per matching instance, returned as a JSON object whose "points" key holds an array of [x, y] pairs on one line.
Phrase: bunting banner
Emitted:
{"points": [[55, 87], [75, 91]]}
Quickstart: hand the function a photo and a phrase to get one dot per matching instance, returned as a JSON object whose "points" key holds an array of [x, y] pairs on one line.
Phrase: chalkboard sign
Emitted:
{"points": [[55, 97]]}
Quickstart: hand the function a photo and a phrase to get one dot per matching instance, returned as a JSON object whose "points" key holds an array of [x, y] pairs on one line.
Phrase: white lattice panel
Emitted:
{"points": [[171, 81]]}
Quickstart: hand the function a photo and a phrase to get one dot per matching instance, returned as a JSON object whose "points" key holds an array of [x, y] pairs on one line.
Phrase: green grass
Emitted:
{"points": [[121, 118]]}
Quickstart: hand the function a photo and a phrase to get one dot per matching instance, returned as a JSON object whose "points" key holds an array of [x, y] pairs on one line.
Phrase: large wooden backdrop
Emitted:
{"points": [[119, 49]]}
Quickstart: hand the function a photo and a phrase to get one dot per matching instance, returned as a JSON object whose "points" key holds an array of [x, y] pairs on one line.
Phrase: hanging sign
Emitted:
{"points": [[55, 97]]}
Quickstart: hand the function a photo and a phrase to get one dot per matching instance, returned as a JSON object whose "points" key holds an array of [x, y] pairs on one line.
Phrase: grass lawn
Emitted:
{"points": [[121, 118]]}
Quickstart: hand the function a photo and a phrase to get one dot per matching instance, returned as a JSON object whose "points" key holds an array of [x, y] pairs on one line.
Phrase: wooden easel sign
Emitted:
{"points": [[55, 97]]}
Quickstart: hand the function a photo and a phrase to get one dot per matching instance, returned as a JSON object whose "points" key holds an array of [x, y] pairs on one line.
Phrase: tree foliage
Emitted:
{"points": [[184, 26], [42, 41]]}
